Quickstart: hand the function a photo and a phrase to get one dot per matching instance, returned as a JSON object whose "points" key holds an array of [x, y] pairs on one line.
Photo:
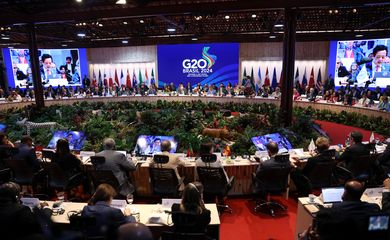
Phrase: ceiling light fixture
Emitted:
{"points": [[81, 34], [79, 1], [254, 15], [100, 25], [171, 30], [125, 22], [121, 2], [125, 41], [64, 45], [354, 10], [141, 21], [227, 17], [359, 35], [5, 38], [197, 18], [279, 25], [272, 36], [194, 39], [336, 11]]}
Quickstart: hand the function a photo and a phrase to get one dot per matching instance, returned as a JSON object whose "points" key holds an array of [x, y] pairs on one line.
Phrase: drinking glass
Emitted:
{"points": [[130, 198]]}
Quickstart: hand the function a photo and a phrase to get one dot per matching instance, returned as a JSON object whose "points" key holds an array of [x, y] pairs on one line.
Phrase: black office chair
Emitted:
{"points": [[104, 176], [164, 180], [97, 160], [322, 175], [22, 174], [272, 180], [214, 182], [84, 225], [47, 155], [59, 180]]}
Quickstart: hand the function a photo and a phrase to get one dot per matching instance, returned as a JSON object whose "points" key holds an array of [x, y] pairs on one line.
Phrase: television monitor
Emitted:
{"points": [[3, 127], [149, 145], [261, 142], [57, 67], [355, 63], [76, 139], [378, 222]]}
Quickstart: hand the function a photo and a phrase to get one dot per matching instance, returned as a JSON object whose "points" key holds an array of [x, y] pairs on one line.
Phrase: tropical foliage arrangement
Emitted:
{"points": [[125, 121]]}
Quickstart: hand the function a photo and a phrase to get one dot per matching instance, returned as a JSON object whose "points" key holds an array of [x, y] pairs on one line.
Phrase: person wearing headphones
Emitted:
{"points": [[193, 208], [16, 220]]}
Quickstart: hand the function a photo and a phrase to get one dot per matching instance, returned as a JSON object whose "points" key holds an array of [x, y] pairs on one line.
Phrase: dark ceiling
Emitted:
{"points": [[142, 22]]}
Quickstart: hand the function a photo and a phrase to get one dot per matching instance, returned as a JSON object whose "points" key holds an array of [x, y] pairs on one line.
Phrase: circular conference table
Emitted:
{"points": [[320, 105]]}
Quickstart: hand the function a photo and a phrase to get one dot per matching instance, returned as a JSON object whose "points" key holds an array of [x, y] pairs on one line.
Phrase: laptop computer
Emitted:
{"points": [[332, 195]]}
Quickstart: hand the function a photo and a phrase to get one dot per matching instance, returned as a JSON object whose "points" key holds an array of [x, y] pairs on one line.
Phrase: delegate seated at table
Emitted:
{"points": [[208, 148], [118, 164], [191, 203], [108, 219]]}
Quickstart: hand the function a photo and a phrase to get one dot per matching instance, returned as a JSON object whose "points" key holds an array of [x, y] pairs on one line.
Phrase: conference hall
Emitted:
{"points": [[195, 119]]}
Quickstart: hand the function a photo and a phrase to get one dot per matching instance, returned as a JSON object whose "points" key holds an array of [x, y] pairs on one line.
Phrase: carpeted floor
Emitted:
{"points": [[338, 132], [244, 224]]}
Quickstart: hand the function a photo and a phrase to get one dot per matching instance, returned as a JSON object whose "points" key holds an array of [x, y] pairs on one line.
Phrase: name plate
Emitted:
{"points": [[30, 202]]}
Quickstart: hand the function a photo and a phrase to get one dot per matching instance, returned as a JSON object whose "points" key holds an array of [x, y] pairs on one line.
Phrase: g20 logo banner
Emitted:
{"points": [[198, 63]]}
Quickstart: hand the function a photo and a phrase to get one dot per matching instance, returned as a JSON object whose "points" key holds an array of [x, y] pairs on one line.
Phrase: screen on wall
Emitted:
{"points": [[198, 63], [57, 67], [362, 63]]}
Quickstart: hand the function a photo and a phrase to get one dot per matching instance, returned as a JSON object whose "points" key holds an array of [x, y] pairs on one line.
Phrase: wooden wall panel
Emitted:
{"points": [[136, 54]]}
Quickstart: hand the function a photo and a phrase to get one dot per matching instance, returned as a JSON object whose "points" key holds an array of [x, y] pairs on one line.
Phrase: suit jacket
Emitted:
{"points": [[199, 225], [351, 154], [345, 220], [28, 155], [119, 165], [384, 158], [15, 216], [270, 164], [386, 202], [70, 164], [216, 164], [108, 219], [313, 161], [173, 163]]}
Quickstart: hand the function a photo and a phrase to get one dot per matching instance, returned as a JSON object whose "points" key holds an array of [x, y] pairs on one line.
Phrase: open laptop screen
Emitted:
{"points": [[332, 195]]}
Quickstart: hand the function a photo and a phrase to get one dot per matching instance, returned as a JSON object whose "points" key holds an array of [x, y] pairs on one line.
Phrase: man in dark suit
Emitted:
{"points": [[118, 164], [322, 144], [352, 153], [347, 219], [273, 150], [27, 153], [69, 66]]}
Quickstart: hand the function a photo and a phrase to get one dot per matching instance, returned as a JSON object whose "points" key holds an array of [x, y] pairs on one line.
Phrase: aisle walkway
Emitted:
{"points": [[244, 224]]}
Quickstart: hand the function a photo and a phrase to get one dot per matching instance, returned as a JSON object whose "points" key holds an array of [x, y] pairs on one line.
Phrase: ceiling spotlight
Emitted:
{"points": [[227, 17], [2, 29], [84, 23], [254, 15], [354, 10], [100, 25], [330, 11], [81, 34], [79, 0], [141, 21], [64, 45], [197, 18], [194, 39], [121, 2], [10, 47], [125, 41], [336, 11], [125, 22], [272, 36], [5, 38], [171, 29], [359, 35], [8, 28], [279, 25]]}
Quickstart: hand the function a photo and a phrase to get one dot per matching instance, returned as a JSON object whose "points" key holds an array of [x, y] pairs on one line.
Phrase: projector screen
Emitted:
{"points": [[362, 63], [57, 67]]}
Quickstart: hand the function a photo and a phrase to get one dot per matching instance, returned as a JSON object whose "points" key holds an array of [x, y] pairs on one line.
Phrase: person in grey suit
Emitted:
{"points": [[118, 164]]}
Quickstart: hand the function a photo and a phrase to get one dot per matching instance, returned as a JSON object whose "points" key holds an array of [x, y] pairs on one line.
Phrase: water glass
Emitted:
{"points": [[129, 198]]}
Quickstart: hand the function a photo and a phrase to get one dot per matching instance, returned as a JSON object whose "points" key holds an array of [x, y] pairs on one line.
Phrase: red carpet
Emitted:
{"points": [[244, 224], [338, 132]]}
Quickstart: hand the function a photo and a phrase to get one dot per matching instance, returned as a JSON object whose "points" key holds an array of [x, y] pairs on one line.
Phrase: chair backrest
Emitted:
{"points": [[184, 220], [97, 160], [285, 157], [21, 171], [362, 166], [164, 181], [57, 177], [213, 180], [159, 160], [331, 153], [47, 154], [104, 176], [322, 174], [209, 158], [274, 179]]}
